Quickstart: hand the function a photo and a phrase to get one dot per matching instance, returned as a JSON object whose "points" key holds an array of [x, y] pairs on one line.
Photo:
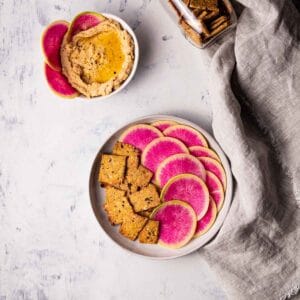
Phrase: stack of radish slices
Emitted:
{"points": [[188, 173]]}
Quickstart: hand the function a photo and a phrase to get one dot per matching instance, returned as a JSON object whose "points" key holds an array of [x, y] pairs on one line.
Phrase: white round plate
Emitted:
{"points": [[97, 197]]}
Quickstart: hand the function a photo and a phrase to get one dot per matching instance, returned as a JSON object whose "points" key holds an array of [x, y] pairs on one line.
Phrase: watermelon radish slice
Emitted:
{"points": [[51, 41], [215, 189], [208, 220], [204, 152], [188, 188], [188, 135], [84, 21], [164, 124], [140, 135], [177, 223], [160, 149], [215, 167], [59, 84], [179, 164]]}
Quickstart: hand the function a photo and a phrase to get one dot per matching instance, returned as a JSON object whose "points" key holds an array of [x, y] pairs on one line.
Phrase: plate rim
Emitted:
{"points": [[206, 238]]}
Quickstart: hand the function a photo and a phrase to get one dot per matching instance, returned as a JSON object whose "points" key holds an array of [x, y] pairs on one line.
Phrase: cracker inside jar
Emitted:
{"points": [[202, 20]]}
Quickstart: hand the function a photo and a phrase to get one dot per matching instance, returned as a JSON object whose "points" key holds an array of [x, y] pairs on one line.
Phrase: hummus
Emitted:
{"points": [[98, 60]]}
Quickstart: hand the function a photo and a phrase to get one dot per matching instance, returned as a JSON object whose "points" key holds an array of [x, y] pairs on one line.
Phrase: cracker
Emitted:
{"points": [[204, 4], [219, 29], [212, 14], [149, 234], [112, 193], [132, 225], [116, 205], [112, 169], [138, 178], [132, 163], [192, 34], [125, 149], [217, 22], [145, 199]]}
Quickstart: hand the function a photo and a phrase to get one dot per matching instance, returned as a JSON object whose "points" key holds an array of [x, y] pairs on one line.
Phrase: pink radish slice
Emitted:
{"points": [[59, 83], [84, 21], [164, 124], [177, 223], [188, 188], [188, 135], [215, 189], [208, 220], [179, 164], [200, 151], [160, 149], [140, 135], [51, 42], [215, 167]]}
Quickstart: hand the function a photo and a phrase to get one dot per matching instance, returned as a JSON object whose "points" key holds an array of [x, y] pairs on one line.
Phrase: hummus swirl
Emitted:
{"points": [[98, 60]]}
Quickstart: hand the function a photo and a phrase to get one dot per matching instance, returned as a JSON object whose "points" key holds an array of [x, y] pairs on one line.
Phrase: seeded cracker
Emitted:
{"points": [[138, 178], [145, 199], [149, 234], [112, 169], [125, 149], [112, 193], [132, 225], [132, 163], [116, 205]]}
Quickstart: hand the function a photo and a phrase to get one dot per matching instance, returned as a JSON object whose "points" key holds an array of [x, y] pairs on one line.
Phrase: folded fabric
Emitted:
{"points": [[255, 98]]}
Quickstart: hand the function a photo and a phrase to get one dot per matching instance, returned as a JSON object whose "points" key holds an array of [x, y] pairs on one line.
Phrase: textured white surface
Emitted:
{"points": [[51, 246]]}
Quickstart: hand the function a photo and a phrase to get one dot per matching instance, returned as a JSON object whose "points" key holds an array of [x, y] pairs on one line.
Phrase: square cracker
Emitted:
{"points": [[132, 163], [145, 199], [116, 205], [149, 234], [112, 193], [138, 178], [112, 169], [125, 149], [132, 225]]}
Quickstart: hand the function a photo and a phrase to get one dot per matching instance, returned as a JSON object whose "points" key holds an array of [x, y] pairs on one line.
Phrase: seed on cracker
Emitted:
{"points": [[145, 199], [116, 205], [149, 234], [112, 169], [125, 149], [132, 225]]}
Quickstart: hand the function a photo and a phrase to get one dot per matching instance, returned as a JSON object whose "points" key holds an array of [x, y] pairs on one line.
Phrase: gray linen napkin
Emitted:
{"points": [[255, 98]]}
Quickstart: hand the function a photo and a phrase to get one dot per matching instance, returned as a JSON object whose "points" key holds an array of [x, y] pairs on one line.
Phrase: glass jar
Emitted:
{"points": [[202, 21]]}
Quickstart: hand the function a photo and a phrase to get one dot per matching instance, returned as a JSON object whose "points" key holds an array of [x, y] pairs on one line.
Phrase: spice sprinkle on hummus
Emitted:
{"points": [[98, 60]]}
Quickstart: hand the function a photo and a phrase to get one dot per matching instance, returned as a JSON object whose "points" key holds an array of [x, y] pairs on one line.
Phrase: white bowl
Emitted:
{"points": [[136, 57], [154, 251]]}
